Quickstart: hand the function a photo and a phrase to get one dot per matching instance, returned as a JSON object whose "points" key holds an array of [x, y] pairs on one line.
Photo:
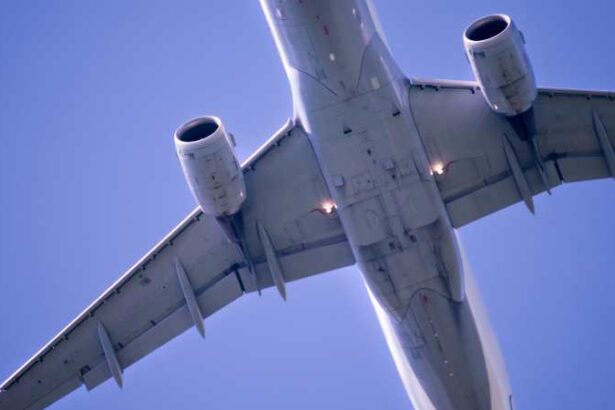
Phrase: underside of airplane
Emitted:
{"points": [[374, 169]]}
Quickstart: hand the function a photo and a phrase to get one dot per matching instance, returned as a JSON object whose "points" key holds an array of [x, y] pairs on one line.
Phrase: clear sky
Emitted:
{"points": [[90, 95]]}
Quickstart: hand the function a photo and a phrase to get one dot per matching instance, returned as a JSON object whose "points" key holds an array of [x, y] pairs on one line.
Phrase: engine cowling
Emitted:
{"points": [[205, 151], [496, 51]]}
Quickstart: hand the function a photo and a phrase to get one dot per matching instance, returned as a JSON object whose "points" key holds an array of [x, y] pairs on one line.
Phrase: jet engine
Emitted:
{"points": [[205, 151], [496, 51]]}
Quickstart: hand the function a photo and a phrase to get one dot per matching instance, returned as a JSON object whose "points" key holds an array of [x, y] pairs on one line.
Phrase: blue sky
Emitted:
{"points": [[91, 93]]}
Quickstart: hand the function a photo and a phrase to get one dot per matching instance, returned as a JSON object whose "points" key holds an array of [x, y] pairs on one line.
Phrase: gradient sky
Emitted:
{"points": [[90, 95]]}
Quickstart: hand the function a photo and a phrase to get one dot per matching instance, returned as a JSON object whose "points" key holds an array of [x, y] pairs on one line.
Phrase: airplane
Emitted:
{"points": [[448, 185]]}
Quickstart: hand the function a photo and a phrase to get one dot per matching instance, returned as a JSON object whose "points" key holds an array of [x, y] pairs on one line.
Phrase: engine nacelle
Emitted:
{"points": [[207, 157], [496, 51]]}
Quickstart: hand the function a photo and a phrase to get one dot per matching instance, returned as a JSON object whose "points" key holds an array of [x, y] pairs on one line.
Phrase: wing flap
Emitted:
{"points": [[462, 133], [576, 169], [222, 293], [300, 261], [497, 195]]}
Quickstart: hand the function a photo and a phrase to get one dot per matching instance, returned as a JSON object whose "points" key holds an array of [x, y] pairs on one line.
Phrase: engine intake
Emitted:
{"points": [[210, 166], [496, 51]]}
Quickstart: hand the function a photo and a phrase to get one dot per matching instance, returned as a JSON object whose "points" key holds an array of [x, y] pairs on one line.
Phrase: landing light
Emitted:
{"points": [[328, 207], [437, 168]]}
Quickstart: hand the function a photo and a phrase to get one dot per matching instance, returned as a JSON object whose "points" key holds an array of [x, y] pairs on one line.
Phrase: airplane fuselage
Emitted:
{"points": [[351, 99]]}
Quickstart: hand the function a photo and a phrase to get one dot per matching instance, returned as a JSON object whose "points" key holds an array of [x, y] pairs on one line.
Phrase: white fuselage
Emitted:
{"points": [[351, 99]]}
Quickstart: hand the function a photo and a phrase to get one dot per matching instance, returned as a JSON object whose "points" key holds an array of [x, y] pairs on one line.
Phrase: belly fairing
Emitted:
{"points": [[446, 353], [438, 353], [440, 337]]}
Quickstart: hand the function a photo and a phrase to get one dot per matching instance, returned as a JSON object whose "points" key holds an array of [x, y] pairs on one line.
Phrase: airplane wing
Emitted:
{"points": [[480, 164], [192, 273]]}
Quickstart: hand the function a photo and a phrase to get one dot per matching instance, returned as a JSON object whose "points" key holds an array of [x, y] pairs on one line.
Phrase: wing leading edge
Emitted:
{"points": [[483, 166], [193, 269]]}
